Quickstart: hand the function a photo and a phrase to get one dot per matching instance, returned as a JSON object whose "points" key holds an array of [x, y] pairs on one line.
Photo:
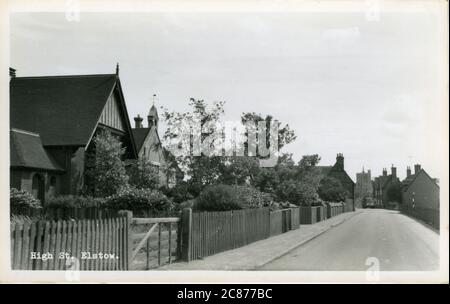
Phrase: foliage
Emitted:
{"points": [[74, 201], [25, 219], [285, 134], [331, 190], [368, 201], [134, 198], [106, 170], [143, 174], [179, 193], [252, 198], [218, 198], [394, 193], [298, 193], [232, 197], [22, 202], [201, 169]]}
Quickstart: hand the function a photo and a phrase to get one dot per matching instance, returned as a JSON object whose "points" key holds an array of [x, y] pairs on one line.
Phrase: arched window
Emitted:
{"points": [[37, 187]]}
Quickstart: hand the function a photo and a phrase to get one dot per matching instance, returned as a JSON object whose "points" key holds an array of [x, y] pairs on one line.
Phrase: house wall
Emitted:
{"points": [[72, 160], [153, 152], [424, 191], [22, 179]]}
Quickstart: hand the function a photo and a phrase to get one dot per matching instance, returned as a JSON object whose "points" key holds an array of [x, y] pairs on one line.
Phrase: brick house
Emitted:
{"points": [[53, 120], [338, 172], [420, 195]]}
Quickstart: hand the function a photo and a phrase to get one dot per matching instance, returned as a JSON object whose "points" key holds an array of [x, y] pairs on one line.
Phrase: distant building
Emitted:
{"points": [[381, 185], [337, 171], [149, 146], [420, 195], [363, 187], [53, 121]]}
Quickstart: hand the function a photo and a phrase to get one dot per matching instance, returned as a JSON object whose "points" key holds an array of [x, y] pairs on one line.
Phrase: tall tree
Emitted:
{"points": [[143, 174], [106, 169]]}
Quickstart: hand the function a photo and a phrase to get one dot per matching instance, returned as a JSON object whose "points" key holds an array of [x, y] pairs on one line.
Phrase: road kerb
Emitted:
{"points": [[303, 242]]}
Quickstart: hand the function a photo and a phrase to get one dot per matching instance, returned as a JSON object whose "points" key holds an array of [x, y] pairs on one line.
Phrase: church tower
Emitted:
{"points": [[152, 117]]}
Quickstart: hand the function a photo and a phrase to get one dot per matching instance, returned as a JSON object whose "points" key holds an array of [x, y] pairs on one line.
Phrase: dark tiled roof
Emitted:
{"points": [[323, 170], [63, 110], [26, 151], [139, 135], [409, 180]]}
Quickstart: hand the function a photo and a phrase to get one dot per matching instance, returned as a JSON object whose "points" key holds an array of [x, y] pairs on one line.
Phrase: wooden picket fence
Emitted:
{"points": [[214, 232], [60, 245], [55, 213]]}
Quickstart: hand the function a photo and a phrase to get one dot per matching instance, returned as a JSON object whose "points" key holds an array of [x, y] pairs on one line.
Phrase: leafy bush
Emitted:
{"points": [[179, 193], [22, 202], [218, 198], [298, 193], [106, 173], [331, 190], [133, 198], [231, 197], [252, 197], [25, 219], [74, 201], [143, 174], [394, 193]]}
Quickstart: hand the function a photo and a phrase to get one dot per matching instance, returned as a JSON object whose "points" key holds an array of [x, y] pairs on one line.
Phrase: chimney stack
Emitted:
{"points": [[408, 171], [12, 73], [416, 168], [394, 171], [384, 172], [340, 161], [138, 122]]}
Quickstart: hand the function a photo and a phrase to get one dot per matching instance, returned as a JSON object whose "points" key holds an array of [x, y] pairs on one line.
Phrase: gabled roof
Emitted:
{"points": [[26, 151], [64, 110], [140, 134], [406, 183], [323, 170]]}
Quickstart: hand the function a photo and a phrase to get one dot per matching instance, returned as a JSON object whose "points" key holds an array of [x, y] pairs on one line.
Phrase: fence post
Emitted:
{"points": [[129, 237], [186, 231]]}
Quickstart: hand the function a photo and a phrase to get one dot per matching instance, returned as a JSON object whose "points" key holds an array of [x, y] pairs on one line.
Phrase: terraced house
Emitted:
{"points": [[53, 121]]}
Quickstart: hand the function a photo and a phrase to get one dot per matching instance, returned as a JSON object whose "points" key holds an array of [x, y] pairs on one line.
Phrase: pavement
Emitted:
{"points": [[386, 239], [260, 253]]}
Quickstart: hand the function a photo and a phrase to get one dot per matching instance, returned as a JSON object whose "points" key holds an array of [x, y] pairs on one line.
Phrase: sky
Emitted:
{"points": [[370, 89]]}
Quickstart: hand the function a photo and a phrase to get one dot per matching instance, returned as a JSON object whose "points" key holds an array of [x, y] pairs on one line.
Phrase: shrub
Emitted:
{"points": [[143, 174], [331, 190], [25, 219], [232, 197], [251, 197], [133, 199], [74, 201], [218, 198], [298, 193], [106, 173], [22, 202], [179, 193]]}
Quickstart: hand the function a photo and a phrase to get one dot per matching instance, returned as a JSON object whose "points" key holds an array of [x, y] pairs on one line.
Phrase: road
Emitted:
{"points": [[397, 243]]}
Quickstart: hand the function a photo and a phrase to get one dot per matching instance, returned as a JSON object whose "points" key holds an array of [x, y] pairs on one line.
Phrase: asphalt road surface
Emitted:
{"points": [[392, 240]]}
